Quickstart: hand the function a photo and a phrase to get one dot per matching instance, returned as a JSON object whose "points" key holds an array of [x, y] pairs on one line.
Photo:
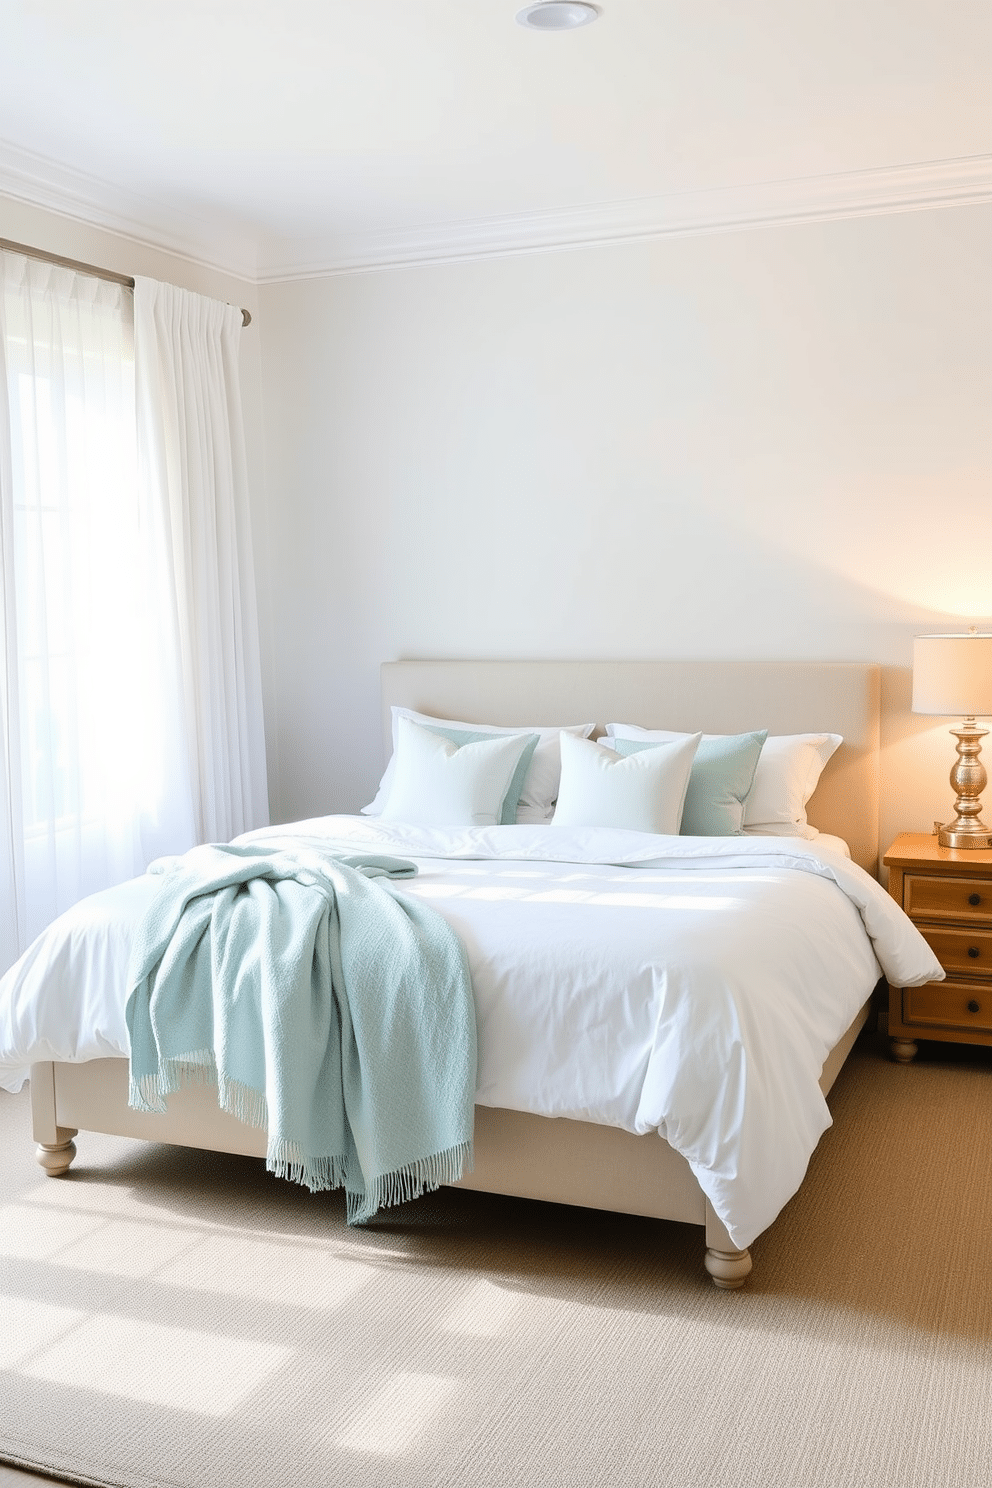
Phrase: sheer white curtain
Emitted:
{"points": [[193, 473], [92, 780], [130, 713]]}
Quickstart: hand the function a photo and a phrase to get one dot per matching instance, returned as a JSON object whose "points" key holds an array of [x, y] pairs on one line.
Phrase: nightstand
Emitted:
{"points": [[947, 893]]}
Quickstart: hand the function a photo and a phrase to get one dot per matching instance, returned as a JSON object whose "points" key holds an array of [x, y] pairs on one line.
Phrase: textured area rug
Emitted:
{"points": [[181, 1319]]}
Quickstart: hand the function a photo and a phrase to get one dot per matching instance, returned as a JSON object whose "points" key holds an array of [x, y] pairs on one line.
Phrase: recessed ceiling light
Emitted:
{"points": [[557, 15]]}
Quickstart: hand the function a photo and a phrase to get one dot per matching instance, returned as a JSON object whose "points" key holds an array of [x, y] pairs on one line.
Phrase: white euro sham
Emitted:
{"points": [[643, 792], [540, 787], [785, 778], [439, 784]]}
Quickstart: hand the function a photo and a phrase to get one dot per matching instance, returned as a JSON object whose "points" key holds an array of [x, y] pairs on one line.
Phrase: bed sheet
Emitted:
{"points": [[686, 986]]}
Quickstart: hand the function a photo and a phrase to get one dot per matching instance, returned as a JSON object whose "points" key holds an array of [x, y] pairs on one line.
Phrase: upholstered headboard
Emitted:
{"points": [[713, 696]]}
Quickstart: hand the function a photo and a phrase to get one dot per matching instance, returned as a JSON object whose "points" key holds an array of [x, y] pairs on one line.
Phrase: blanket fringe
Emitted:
{"points": [[409, 1182], [288, 1160], [285, 1159], [148, 1093], [318, 1174], [241, 1101]]}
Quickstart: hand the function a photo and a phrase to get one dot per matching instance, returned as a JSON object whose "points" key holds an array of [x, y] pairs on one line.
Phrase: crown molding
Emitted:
{"points": [[37, 181], [870, 193], [40, 182]]}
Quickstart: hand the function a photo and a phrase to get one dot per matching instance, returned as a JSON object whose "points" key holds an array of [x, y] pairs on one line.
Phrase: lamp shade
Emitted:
{"points": [[952, 675]]}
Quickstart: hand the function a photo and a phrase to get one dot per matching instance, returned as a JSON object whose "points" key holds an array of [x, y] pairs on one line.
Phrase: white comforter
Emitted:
{"points": [[688, 986]]}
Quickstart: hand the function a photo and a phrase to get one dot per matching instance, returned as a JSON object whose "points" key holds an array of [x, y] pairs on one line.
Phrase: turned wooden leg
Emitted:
{"points": [[727, 1265], [728, 1268], [56, 1148], [56, 1157], [903, 1050]]}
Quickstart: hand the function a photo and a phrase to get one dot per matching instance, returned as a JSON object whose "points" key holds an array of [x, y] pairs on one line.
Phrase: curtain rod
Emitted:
{"points": [[83, 268]]}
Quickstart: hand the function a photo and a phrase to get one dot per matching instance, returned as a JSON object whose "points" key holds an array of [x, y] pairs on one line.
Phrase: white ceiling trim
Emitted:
{"points": [[904, 188], [40, 182]]}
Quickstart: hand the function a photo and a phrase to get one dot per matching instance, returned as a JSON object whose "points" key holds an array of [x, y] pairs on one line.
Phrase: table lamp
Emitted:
{"points": [[952, 674]]}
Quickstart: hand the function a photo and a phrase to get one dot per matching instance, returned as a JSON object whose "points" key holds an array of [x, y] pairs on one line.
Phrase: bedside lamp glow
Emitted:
{"points": [[952, 675]]}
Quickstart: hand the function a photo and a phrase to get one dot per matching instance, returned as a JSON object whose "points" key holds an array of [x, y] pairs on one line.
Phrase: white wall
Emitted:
{"points": [[771, 443]]}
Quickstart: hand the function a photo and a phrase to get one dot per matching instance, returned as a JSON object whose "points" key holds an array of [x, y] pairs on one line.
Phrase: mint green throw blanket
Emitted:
{"points": [[324, 1006]]}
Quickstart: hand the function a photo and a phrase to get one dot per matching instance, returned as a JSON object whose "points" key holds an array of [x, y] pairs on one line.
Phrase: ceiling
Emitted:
{"points": [[284, 137]]}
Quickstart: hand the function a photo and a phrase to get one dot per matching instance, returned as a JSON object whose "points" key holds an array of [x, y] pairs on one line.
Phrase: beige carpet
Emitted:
{"points": [[175, 1318]]}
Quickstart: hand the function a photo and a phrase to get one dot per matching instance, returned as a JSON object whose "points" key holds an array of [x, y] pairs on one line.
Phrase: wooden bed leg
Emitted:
{"points": [[904, 1050], [727, 1266], [56, 1149], [56, 1157]]}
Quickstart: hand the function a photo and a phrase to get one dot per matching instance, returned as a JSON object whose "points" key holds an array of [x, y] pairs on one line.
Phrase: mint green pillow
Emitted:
{"points": [[508, 814], [719, 783]]}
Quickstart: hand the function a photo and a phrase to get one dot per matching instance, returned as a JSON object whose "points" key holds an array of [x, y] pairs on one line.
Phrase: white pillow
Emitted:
{"points": [[788, 769], [439, 784], [644, 792], [540, 788]]}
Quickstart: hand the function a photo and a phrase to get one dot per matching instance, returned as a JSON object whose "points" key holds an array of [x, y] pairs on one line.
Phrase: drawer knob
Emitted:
{"points": [[974, 1007], [974, 952], [974, 898]]}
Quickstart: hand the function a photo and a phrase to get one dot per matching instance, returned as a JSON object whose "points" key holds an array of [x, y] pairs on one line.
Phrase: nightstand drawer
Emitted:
{"points": [[967, 952], [948, 898], [947, 893], [949, 1005]]}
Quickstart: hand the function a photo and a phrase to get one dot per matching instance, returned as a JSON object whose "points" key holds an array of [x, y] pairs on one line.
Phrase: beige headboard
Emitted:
{"points": [[716, 697]]}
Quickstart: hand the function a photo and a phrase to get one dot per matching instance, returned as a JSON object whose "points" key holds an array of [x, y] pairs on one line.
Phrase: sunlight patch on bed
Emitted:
{"points": [[402, 1410], [671, 877], [617, 873], [497, 892], [608, 898], [769, 876], [426, 889], [490, 869], [580, 875], [568, 896], [669, 901], [178, 1368], [483, 1311], [634, 901]]}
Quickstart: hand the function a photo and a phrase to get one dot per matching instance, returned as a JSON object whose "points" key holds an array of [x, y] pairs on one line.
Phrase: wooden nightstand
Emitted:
{"points": [[947, 893]]}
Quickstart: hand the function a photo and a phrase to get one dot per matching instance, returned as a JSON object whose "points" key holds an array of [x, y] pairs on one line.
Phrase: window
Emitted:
{"points": [[82, 730], [130, 690]]}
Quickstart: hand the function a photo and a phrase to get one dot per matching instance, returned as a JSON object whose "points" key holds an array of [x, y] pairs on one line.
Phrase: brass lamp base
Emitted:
{"points": [[968, 779], [974, 835]]}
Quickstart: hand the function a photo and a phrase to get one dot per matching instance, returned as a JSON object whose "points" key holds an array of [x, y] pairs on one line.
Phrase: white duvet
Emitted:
{"points": [[686, 986]]}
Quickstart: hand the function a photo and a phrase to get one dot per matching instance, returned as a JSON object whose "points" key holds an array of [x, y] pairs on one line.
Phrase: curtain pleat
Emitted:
{"points": [[89, 787], [13, 925], [194, 485], [130, 695]]}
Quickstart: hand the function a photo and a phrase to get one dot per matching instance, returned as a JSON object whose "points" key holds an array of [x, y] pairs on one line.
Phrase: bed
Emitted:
{"points": [[582, 1162]]}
